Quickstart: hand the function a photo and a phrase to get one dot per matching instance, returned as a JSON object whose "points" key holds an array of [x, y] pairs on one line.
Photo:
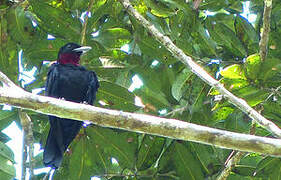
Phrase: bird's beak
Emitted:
{"points": [[82, 49]]}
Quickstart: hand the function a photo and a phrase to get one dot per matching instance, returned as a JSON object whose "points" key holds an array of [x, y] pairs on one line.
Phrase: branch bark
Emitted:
{"points": [[27, 142], [265, 28], [200, 72], [263, 52], [83, 33], [140, 123]]}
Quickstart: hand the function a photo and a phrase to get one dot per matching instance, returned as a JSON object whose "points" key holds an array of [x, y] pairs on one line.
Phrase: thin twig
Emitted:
{"points": [[265, 29], [200, 72], [234, 158], [275, 91], [28, 141], [83, 33], [24, 158], [231, 163], [4, 79]]}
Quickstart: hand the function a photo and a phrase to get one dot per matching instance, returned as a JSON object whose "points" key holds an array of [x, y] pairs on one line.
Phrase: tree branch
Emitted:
{"points": [[200, 72], [83, 33], [265, 28], [28, 141], [141, 123], [231, 163]]}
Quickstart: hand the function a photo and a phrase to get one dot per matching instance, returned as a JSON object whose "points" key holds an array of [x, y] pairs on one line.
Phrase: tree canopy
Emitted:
{"points": [[242, 55]]}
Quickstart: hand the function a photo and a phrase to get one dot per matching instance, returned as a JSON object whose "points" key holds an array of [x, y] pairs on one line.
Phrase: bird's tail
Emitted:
{"points": [[61, 134], [54, 148]]}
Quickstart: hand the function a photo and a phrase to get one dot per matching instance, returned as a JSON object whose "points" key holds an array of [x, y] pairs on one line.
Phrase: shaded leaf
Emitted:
{"points": [[116, 97]]}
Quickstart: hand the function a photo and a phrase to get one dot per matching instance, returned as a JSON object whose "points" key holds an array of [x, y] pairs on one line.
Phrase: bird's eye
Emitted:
{"points": [[68, 46]]}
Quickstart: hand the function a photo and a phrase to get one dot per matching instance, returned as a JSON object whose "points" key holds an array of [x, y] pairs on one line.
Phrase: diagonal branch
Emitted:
{"points": [[233, 161], [200, 72], [141, 123]]}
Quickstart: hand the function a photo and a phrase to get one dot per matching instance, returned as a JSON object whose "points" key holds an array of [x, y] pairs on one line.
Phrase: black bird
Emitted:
{"points": [[72, 82]]}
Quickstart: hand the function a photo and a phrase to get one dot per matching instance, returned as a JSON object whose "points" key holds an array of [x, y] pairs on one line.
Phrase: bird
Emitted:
{"points": [[68, 80]]}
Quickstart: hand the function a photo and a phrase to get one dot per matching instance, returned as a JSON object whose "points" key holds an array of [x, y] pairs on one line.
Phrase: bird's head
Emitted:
{"points": [[70, 53]]}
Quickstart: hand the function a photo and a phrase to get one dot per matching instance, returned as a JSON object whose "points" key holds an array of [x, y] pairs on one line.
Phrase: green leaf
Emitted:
{"points": [[113, 37], [234, 71], [179, 25], [100, 9], [154, 100], [252, 95], [6, 152], [76, 5], [4, 138], [6, 117], [272, 111], [149, 46], [116, 97], [225, 37], [207, 44], [160, 8], [149, 151], [206, 156], [237, 122], [252, 66], [269, 167], [34, 54], [247, 34], [20, 27], [223, 113], [7, 169], [236, 6], [91, 153], [180, 159], [270, 72], [8, 51], [56, 20]]}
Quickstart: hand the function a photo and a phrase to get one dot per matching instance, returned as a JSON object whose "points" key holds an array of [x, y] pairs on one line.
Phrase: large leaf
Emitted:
{"points": [[116, 97], [149, 151], [7, 169], [225, 37], [269, 167], [252, 66], [247, 34], [92, 151], [6, 117], [8, 51], [113, 37], [179, 158], [19, 26], [181, 84], [56, 20], [160, 8]]}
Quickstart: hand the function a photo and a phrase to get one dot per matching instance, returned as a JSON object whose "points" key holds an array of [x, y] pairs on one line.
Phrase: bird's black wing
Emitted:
{"points": [[53, 152], [52, 83], [93, 88]]}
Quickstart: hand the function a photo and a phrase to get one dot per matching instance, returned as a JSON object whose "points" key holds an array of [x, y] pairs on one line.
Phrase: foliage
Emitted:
{"points": [[225, 37]]}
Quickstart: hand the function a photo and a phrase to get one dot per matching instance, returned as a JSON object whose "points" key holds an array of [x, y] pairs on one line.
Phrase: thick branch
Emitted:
{"points": [[200, 72], [265, 28], [171, 128]]}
